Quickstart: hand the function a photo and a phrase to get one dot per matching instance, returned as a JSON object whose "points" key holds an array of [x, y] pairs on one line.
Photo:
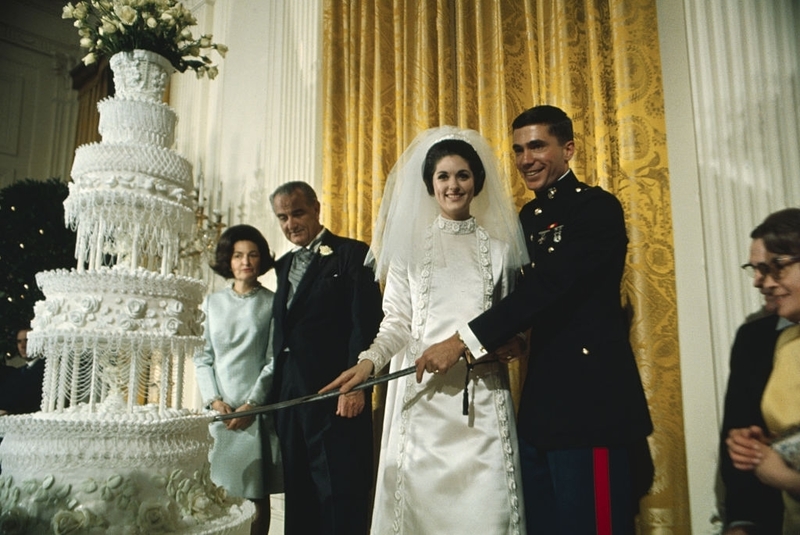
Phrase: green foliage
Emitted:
{"points": [[33, 238]]}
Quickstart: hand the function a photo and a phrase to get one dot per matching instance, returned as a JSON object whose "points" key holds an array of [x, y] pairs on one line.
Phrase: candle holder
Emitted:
{"points": [[198, 251]]}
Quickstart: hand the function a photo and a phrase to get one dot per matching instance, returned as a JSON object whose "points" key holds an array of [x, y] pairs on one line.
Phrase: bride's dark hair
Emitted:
{"points": [[453, 147]]}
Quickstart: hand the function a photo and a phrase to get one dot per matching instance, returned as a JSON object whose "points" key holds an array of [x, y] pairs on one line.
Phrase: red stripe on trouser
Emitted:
{"points": [[602, 491]]}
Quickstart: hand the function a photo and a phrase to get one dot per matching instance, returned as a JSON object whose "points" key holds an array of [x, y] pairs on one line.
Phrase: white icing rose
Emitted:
{"points": [[154, 517], [53, 306], [90, 303], [174, 308], [127, 324], [201, 505], [136, 307], [172, 325], [76, 318], [68, 522], [40, 309]]}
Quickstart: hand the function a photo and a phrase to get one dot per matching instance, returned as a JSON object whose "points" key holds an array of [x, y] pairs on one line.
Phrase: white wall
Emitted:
{"points": [[38, 107], [258, 124], [731, 95], [701, 419]]}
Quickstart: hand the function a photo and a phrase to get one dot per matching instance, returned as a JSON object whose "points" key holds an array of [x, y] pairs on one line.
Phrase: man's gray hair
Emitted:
{"points": [[290, 187]]}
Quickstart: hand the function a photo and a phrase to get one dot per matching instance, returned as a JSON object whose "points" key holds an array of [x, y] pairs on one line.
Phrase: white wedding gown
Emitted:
{"points": [[440, 471]]}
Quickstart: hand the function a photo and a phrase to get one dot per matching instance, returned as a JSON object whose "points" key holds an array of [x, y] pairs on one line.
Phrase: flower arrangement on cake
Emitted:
{"points": [[107, 27]]}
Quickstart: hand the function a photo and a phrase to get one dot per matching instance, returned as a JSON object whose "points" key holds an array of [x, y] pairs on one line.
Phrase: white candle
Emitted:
{"points": [[200, 185]]}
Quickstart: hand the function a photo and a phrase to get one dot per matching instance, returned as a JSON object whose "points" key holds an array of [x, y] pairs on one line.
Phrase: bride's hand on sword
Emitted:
{"points": [[350, 378], [350, 404]]}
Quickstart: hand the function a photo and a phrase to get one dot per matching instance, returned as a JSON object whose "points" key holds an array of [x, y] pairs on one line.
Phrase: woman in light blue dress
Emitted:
{"points": [[235, 370]]}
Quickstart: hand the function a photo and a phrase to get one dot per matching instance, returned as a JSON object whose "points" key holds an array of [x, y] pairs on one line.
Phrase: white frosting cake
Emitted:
{"points": [[109, 471], [112, 449], [113, 303], [136, 121]]}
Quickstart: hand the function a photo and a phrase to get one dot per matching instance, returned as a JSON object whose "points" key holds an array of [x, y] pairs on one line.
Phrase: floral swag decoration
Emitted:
{"points": [[161, 26]]}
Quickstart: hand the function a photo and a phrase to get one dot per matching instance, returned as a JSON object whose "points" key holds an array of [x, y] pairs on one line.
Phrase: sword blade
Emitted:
{"points": [[315, 397]]}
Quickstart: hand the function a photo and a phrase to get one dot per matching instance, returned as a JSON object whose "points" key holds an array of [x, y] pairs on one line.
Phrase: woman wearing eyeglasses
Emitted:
{"points": [[774, 453]]}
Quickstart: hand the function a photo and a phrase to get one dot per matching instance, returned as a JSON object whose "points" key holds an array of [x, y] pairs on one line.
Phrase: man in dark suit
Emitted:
{"points": [[21, 388], [750, 507], [327, 309], [583, 418]]}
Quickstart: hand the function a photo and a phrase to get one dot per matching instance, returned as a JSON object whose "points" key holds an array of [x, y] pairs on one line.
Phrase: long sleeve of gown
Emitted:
{"points": [[263, 384], [395, 328], [204, 363]]}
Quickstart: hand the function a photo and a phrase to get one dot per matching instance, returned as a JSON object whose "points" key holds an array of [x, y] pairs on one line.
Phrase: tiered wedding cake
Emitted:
{"points": [[112, 450]]}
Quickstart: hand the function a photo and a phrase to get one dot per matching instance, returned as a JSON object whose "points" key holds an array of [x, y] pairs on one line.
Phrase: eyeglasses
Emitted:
{"points": [[774, 268]]}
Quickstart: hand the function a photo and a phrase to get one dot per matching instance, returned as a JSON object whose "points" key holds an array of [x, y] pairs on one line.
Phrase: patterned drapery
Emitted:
{"points": [[394, 68]]}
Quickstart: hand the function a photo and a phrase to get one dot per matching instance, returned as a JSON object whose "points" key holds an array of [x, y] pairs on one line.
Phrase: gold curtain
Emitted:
{"points": [[392, 68]]}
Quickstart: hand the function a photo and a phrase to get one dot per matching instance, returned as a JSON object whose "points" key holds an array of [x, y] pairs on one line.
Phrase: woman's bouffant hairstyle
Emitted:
{"points": [[453, 147], [224, 253], [780, 232]]}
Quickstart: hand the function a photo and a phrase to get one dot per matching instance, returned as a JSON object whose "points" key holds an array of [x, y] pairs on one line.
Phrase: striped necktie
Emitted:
{"points": [[300, 261]]}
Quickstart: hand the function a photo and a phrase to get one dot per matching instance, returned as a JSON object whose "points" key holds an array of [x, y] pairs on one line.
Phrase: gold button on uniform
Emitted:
{"points": [[585, 351]]}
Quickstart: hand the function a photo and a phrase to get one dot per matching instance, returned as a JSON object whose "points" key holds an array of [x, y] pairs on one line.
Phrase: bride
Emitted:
{"points": [[448, 460]]}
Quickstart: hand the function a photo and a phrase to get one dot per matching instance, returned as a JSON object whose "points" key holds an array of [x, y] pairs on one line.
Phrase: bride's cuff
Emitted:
{"points": [[375, 358]]}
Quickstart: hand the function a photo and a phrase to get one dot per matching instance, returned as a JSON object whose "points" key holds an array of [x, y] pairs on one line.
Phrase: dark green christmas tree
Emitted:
{"points": [[33, 238]]}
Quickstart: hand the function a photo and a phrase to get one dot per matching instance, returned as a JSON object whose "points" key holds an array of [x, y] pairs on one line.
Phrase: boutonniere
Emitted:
{"points": [[324, 250]]}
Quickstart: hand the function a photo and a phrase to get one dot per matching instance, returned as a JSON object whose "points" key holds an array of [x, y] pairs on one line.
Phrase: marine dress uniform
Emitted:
{"points": [[582, 401]]}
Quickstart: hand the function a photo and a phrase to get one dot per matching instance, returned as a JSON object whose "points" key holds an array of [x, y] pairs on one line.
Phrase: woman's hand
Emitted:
{"points": [[351, 377], [237, 424], [234, 423], [773, 471], [745, 446]]}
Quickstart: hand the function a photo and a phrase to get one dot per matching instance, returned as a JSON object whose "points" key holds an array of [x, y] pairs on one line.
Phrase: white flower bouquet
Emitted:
{"points": [[161, 26]]}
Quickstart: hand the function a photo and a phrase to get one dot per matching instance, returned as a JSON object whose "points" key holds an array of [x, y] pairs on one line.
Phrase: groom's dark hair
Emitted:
{"points": [[558, 122]]}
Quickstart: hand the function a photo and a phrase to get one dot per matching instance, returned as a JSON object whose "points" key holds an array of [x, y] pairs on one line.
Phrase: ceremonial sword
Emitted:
{"points": [[315, 397]]}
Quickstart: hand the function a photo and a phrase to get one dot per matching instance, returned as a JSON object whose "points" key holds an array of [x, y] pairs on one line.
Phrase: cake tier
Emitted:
{"points": [[114, 333], [131, 160], [110, 471], [113, 302], [137, 229], [136, 121]]}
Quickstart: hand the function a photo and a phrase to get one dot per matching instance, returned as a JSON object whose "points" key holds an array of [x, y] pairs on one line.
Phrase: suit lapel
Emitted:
{"points": [[282, 278], [314, 268]]}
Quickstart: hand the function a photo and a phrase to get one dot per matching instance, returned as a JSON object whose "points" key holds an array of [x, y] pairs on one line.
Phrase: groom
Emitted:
{"points": [[327, 309]]}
